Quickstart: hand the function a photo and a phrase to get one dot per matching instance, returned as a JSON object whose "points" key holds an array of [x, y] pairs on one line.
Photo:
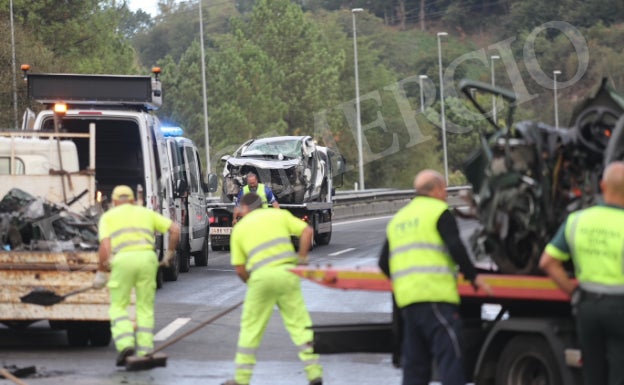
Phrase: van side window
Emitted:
{"points": [[201, 174], [5, 166], [193, 171]]}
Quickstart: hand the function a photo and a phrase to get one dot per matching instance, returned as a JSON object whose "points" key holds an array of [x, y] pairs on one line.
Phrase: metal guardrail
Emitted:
{"points": [[379, 195], [358, 204]]}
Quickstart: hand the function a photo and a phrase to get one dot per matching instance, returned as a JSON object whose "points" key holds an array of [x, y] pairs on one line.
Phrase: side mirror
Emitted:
{"points": [[224, 158], [213, 182], [181, 187]]}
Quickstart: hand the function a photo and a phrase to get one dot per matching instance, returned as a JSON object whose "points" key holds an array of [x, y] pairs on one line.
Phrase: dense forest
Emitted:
{"points": [[282, 67]]}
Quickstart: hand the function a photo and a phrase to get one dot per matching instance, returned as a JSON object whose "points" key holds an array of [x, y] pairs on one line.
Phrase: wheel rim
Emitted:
{"points": [[529, 370]]}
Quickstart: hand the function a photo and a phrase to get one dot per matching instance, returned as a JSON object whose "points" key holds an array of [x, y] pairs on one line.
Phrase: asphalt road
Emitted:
{"points": [[206, 357]]}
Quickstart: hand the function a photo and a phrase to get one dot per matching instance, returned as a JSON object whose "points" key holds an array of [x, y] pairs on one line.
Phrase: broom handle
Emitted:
{"points": [[196, 328], [77, 291]]}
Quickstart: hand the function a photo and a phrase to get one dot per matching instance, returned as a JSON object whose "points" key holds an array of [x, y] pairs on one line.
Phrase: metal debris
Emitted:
{"points": [[30, 223]]}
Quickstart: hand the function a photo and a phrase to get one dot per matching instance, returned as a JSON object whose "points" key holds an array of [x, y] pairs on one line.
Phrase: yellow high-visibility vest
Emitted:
{"points": [[421, 268]]}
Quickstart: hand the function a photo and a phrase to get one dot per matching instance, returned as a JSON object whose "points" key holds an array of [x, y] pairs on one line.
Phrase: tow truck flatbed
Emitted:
{"points": [[504, 287]]}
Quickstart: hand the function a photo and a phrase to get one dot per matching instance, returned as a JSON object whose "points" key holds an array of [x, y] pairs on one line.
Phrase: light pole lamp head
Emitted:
{"points": [[556, 72], [422, 76], [440, 34], [494, 57], [357, 10]]}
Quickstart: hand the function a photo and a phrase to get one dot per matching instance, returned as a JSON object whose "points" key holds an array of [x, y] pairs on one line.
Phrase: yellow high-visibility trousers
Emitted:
{"points": [[136, 269], [267, 287]]}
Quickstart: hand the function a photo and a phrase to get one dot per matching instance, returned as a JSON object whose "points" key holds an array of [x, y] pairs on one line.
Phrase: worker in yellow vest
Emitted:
{"points": [[126, 234], [264, 192], [593, 239], [262, 253], [421, 253]]}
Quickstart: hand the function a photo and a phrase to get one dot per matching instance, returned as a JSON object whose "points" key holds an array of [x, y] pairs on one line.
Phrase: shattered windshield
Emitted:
{"points": [[288, 148]]}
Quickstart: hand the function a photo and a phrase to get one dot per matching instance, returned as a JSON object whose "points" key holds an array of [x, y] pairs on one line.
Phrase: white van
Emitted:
{"points": [[129, 147], [190, 192]]}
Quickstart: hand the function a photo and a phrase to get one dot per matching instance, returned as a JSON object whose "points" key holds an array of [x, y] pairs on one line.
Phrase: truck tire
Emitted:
{"points": [[81, 333], [201, 257], [100, 334], [77, 335], [323, 238], [527, 360]]}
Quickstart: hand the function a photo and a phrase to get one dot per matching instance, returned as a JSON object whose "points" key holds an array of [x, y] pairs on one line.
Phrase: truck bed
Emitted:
{"points": [[61, 272]]}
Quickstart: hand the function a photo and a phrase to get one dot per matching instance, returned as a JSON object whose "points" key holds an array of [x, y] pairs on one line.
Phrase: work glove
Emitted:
{"points": [[167, 259], [302, 261], [100, 279]]}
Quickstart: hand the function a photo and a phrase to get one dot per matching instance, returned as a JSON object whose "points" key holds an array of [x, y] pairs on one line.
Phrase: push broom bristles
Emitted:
{"points": [[136, 363]]}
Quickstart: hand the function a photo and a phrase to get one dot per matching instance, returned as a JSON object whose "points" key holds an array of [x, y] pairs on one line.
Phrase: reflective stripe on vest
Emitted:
{"points": [[117, 245], [135, 237], [595, 237], [260, 190], [420, 266], [281, 251]]}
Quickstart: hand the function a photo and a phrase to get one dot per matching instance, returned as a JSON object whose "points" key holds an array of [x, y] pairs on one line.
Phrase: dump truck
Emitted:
{"points": [[46, 245], [92, 133], [302, 175]]}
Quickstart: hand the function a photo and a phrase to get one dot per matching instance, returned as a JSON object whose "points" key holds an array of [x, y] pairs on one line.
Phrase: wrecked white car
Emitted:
{"points": [[294, 167]]}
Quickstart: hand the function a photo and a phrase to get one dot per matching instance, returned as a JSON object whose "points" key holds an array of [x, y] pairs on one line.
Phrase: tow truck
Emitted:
{"points": [[531, 340]]}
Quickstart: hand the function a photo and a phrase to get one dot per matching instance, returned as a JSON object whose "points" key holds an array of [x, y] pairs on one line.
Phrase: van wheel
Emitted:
{"points": [[201, 257], [160, 278], [527, 360], [172, 272], [185, 261]]}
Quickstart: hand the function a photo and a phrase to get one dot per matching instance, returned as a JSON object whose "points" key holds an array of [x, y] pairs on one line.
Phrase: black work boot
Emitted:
{"points": [[316, 381], [125, 353]]}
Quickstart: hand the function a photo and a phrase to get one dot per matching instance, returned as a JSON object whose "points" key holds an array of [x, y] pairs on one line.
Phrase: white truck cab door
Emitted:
{"points": [[198, 218]]}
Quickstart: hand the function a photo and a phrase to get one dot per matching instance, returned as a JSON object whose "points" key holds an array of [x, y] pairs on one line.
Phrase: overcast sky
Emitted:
{"points": [[149, 6]]}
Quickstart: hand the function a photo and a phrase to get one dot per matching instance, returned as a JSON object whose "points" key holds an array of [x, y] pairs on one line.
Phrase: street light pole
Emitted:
{"points": [[440, 34], [555, 73], [13, 66], [357, 101], [494, 57], [203, 69], [422, 97]]}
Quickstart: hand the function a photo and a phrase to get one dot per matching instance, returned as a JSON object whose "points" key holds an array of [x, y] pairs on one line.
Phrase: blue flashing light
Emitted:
{"points": [[172, 131]]}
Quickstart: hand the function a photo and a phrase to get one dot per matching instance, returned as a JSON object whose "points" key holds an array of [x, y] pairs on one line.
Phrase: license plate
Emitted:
{"points": [[220, 230]]}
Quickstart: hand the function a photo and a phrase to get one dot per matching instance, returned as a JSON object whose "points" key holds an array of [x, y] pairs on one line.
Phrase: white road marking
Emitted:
{"points": [[168, 330], [340, 252], [361, 220]]}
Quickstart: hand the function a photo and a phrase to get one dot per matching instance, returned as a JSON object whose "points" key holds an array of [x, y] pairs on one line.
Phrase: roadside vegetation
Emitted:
{"points": [[281, 67]]}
